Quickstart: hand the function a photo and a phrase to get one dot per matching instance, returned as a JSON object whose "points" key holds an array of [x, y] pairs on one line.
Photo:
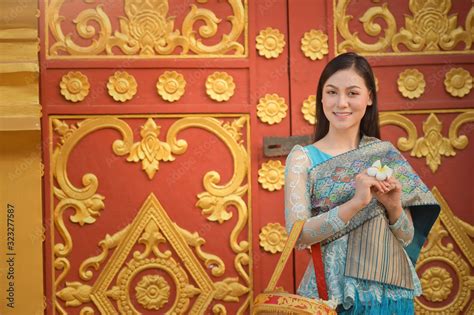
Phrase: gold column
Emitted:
{"points": [[21, 228]]}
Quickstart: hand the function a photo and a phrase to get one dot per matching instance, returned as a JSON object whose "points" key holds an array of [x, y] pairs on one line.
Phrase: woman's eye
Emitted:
{"points": [[352, 93], [331, 92]]}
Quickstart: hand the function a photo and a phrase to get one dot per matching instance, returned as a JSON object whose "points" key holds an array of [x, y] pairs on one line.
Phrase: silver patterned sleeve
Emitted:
{"points": [[298, 205], [403, 228]]}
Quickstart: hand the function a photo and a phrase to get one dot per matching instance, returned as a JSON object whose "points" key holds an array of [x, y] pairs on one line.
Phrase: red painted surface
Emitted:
{"points": [[291, 75]]}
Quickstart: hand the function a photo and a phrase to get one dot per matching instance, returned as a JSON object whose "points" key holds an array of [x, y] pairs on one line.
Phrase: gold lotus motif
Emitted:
{"points": [[270, 43], [122, 86], [272, 175], [150, 150], [314, 44], [220, 86], [152, 292], [433, 144], [170, 86], [458, 82], [436, 283], [411, 83], [429, 28], [273, 237], [74, 86], [309, 109], [271, 109]]}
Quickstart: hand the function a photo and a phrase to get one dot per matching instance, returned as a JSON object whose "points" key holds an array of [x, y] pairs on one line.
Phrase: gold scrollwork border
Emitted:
{"points": [[394, 35], [128, 40], [88, 204]]}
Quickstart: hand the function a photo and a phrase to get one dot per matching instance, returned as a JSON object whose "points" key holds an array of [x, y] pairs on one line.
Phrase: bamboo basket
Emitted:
{"points": [[273, 301]]}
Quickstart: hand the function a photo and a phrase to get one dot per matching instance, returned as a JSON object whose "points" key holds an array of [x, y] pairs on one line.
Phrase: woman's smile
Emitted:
{"points": [[342, 114]]}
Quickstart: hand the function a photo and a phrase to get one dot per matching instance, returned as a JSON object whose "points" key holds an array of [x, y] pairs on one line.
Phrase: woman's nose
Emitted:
{"points": [[342, 101]]}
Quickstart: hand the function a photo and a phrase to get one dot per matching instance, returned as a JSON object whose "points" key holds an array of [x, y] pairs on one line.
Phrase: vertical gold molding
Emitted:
{"points": [[19, 70], [21, 229]]}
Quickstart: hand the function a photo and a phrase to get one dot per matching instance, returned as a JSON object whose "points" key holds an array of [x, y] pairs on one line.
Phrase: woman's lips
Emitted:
{"points": [[342, 114]]}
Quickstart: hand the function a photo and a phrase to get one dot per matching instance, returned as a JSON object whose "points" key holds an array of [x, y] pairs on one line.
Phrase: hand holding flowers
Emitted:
{"points": [[390, 197]]}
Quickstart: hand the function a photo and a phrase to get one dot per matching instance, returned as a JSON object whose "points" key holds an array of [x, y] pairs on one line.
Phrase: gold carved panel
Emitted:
{"points": [[429, 27], [446, 258], [191, 280], [433, 144], [146, 29]]}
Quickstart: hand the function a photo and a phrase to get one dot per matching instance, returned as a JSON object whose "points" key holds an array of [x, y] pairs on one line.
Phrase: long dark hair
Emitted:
{"points": [[369, 124]]}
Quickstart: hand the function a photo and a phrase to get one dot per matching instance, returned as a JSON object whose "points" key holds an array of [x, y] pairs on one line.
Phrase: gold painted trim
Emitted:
{"points": [[187, 40]]}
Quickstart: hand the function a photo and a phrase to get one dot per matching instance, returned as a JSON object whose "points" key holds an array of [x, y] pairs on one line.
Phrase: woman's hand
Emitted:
{"points": [[365, 186], [391, 199]]}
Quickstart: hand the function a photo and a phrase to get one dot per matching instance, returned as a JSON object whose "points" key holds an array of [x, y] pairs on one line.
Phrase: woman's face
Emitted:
{"points": [[345, 99]]}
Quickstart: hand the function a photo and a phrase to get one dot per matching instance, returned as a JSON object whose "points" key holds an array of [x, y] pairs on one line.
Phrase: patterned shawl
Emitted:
{"points": [[373, 252]]}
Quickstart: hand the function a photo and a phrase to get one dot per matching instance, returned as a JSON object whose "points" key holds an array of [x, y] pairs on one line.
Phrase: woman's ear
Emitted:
{"points": [[369, 103]]}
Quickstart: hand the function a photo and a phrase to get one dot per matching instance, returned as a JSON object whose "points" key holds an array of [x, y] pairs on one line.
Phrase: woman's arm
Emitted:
{"points": [[298, 204], [399, 219], [403, 228]]}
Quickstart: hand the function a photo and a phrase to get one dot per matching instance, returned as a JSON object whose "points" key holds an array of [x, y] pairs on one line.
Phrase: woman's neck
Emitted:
{"points": [[336, 142]]}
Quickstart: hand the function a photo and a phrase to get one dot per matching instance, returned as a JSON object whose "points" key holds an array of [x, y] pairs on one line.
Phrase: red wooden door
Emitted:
{"points": [[422, 56], [157, 194], [158, 197]]}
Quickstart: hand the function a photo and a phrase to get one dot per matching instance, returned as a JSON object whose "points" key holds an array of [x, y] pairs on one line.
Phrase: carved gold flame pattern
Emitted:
{"points": [[314, 44], [270, 43], [150, 227], [146, 30], [150, 150], [429, 28], [273, 237], [122, 86], [74, 86], [440, 255], [458, 82], [433, 145]]}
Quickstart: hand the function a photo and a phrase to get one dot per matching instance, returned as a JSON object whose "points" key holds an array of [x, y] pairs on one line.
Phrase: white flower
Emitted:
{"points": [[379, 172]]}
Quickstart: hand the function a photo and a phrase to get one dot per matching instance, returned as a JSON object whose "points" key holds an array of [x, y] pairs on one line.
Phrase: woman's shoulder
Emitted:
{"points": [[299, 150], [298, 154]]}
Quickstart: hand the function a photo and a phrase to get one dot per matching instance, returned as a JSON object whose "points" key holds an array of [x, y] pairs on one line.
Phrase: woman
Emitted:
{"points": [[370, 230]]}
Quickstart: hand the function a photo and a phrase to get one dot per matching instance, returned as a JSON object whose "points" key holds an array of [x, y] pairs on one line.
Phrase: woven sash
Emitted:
{"points": [[374, 253]]}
